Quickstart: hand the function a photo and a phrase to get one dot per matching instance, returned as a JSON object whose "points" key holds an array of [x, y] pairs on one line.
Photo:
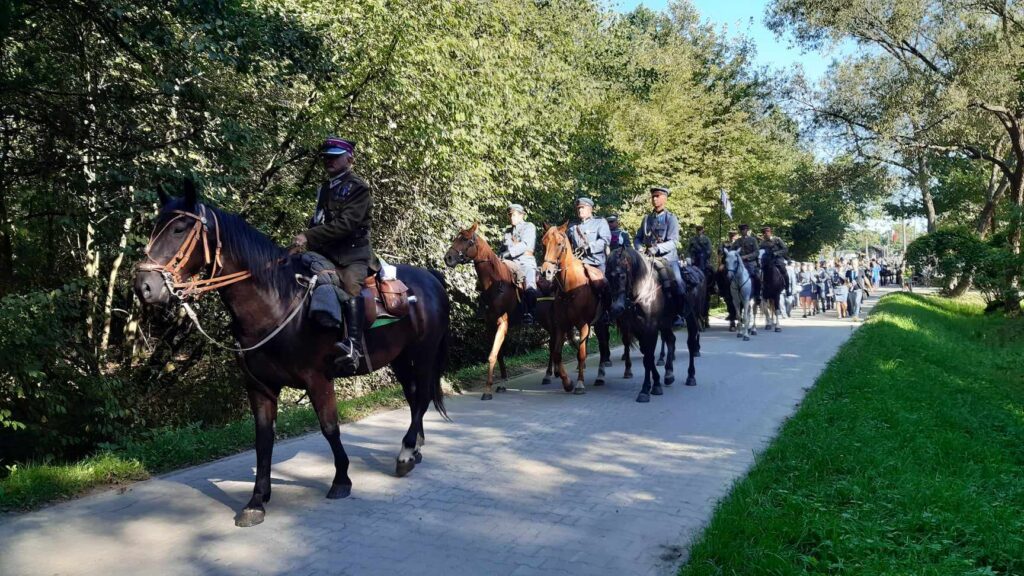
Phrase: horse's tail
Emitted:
{"points": [[437, 393]]}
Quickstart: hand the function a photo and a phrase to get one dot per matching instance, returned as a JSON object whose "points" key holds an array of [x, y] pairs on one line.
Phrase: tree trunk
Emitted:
{"points": [[963, 284], [924, 184], [111, 287]]}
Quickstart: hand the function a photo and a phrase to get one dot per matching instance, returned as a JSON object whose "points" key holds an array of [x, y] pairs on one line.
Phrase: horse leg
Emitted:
{"points": [[668, 336], [414, 388], [648, 342], [777, 315], [321, 395], [556, 353], [581, 360], [603, 344], [492, 359], [264, 412], [627, 342], [502, 370], [693, 346], [550, 371], [661, 355]]}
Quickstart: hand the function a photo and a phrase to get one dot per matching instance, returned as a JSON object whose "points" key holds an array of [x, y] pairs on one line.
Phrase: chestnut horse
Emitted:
{"points": [[577, 303], [497, 296], [279, 345]]}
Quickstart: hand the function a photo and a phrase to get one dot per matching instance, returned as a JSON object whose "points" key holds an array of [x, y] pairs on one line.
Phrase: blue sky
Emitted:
{"points": [[747, 17]]}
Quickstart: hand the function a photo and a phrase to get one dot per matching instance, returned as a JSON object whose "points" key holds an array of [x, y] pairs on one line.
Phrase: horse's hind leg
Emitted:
{"points": [[492, 359], [627, 342], [668, 337], [693, 346], [661, 355], [325, 403], [501, 368], [603, 344], [581, 360], [264, 412], [413, 387]]}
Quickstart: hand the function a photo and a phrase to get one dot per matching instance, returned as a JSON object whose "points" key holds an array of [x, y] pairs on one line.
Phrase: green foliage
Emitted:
{"points": [[957, 252], [903, 459]]}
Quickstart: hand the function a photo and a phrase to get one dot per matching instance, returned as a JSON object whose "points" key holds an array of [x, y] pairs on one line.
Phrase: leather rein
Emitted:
{"points": [[171, 270]]}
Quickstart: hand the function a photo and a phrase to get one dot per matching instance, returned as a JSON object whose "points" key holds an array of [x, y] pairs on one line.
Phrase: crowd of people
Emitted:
{"points": [[840, 285]]}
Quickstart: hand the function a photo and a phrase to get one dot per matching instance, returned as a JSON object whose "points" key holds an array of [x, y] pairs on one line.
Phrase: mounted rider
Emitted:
{"points": [[517, 253], [657, 237], [748, 246], [619, 236], [699, 249], [340, 230], [774, 246], [590, 236]]}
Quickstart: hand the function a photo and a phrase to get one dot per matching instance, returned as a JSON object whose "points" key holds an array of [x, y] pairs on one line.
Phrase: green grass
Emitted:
{"points": [[907, 457]]}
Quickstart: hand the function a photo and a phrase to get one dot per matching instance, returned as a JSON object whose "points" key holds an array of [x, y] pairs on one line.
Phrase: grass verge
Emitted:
{"points": [[905, 458]]}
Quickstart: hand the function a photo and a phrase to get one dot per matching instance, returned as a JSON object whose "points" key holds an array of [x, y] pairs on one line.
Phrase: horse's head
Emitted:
{"points": [[620, 274], [732, 263], [556, 247], [464, 247], [178, 248]]}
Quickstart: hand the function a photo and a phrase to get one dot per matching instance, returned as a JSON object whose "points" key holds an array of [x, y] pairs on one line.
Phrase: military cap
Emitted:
{"points": [[516, 208], [766, 229], [334, 146], [744, 227], [585, 202], [612, 218], [662, 189], [698, 227]]}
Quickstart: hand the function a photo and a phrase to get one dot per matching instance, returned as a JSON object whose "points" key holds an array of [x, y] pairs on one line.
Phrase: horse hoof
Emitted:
{"points": [[661, 362], [545, 381], [500, 389], [487, 396], [403, 468], [746, 338], [628, 374], [579, 389], [777, 329], [567, 387], [696, 354], [338, 491], [606, 364], [250, 517], [691, 381], [643, 398], [657, 390], [417, 456], [599, 382], [753, 331], [739, 335], [670, 379]]}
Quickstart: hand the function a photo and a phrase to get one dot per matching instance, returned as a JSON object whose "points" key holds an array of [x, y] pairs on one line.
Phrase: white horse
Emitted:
{"points": [[742, 294]]}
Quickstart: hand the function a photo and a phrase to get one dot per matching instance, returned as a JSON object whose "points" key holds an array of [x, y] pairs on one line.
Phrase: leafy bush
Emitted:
{"points": [[958, 252]]}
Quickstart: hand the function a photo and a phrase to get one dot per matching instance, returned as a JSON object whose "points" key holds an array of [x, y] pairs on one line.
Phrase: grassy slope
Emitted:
{"points": [[906, 458]]}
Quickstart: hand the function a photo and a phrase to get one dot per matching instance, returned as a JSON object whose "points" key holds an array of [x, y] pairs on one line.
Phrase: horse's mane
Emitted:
{"points": [[254, 251]]}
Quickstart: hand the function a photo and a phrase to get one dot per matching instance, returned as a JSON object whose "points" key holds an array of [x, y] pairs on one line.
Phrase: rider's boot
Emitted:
{"points": [[350, 350], [529, 305]]}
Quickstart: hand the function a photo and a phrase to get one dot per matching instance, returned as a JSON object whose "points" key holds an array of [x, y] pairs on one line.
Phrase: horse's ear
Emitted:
{"points": [[190, 192], [162, 194], [546, 226], [564, 227], [472, 229]]}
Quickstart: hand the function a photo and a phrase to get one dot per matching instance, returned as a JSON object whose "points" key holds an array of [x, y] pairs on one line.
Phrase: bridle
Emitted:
{"points": [[735, 271], [171, 270]]}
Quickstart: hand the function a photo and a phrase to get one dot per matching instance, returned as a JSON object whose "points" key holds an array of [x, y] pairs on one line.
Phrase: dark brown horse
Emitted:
{"points": [[577, 303], [257, 281], [498, 295]]}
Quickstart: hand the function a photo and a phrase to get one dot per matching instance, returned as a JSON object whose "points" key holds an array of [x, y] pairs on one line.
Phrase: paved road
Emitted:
{"points": [[534, 482]]}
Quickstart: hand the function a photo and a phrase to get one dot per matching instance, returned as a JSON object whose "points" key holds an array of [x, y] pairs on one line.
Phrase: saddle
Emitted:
{"points": [[385, 298], [593, 273]]}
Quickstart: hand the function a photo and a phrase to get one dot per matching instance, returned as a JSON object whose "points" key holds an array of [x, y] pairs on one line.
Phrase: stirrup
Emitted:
{"points": [[349, 356], [528, 318]]}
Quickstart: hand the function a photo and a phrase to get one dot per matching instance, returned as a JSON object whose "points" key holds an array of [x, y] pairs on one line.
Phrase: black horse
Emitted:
{"points": [[257, 282], [773, 284], [639, 303]]}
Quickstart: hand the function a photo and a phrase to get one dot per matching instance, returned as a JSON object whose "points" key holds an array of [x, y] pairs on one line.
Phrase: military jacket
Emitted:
{"points": [[591, 236], [519, 242], [776, 246], [340, 227], [699, 244], [661, 233], [748, 247]]}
